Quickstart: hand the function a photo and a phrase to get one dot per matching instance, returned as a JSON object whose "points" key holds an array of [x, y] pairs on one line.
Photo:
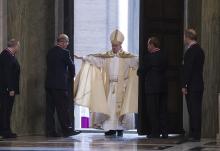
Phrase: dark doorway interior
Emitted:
{"points": [[164, 19]]}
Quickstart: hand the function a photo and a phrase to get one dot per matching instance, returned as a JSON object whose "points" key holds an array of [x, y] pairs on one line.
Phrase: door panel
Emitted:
{"points": [[164, 19]]}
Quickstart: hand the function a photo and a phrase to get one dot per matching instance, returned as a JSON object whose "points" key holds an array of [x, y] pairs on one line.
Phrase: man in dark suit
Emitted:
{"points": [[154, 72], [9, 86], [59, 65], [192, 83]]}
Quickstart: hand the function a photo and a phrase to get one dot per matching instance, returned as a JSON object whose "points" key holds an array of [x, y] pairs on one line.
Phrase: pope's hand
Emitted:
{"points": [[78, 57]]}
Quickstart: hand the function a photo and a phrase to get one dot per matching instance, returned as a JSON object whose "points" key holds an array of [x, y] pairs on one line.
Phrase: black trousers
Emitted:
{"points": [[157, 113], [194, 105], [58, 100], [6, 106]]}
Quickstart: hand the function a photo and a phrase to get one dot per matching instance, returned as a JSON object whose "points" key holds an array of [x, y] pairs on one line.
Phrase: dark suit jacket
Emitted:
{"points": [[59, 67], [154, 72], [193, 69], [9, 72]]}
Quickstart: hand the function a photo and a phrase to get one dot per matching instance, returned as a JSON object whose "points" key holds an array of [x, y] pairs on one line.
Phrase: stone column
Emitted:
{"points": [[218, 135], [59, 17], [210, 41], [3, 24], [33, 23]]}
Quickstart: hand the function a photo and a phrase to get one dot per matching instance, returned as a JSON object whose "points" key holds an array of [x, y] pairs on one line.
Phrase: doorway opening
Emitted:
{"points": [[93, 23]]}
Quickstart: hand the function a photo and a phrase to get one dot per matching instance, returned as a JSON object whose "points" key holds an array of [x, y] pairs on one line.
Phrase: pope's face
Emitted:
{"points": [[116, 48]]}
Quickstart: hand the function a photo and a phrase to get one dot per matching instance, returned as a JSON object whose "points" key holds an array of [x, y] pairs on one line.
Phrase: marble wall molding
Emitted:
{"points": [[210, 41]]}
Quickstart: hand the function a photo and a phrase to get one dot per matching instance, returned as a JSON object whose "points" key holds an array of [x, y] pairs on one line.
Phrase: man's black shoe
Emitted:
{"points": [[73, 133], [110, 133], [76, 132], [120, 133]]}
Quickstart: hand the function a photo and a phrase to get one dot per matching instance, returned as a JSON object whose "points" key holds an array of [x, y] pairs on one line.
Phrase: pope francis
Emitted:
{"points": [[107, 84]]}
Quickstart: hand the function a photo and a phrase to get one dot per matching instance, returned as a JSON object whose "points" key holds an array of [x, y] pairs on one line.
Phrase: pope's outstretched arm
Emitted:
{"points": [[96, 61]]}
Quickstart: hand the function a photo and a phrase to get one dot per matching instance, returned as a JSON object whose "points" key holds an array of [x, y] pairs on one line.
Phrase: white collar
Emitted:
{"points": [[10, 51]]}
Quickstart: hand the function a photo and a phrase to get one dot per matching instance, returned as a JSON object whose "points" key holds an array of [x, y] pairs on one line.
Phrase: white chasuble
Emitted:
{"points": [[108, 86]]}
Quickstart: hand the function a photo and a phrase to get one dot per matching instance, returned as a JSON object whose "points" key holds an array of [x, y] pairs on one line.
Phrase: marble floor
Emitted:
{"points": [[98, 142]]}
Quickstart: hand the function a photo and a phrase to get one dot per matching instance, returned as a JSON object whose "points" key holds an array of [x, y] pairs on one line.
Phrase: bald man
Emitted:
{"points": [[9, 86], [192, 82], [59, 65]]}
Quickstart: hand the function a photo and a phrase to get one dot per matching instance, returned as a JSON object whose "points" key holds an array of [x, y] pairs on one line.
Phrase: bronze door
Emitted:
{"points": [[164, 18]]}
